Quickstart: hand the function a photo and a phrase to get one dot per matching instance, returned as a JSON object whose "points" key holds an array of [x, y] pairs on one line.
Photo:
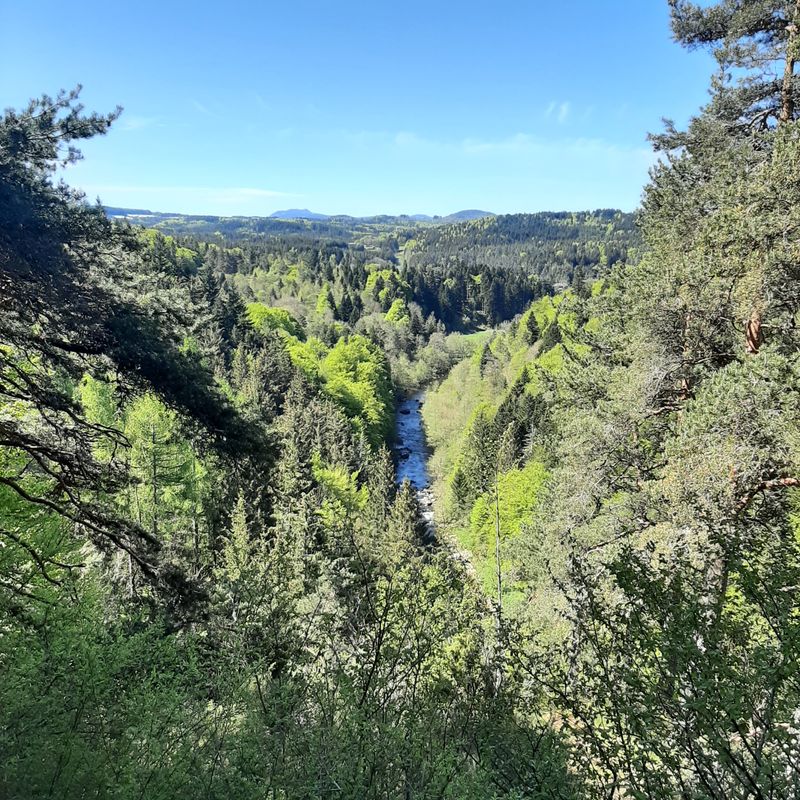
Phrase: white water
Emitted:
{"points": [[411, 454]]}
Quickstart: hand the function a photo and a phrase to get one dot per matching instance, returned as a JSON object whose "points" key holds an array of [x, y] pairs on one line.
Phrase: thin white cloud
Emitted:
{"points": [[518, 145], [222, 200], [198, 106], [222, 191], [134, 122], [519, 142], [408, 139], [261, 102], [560, 112], [523, 144]]}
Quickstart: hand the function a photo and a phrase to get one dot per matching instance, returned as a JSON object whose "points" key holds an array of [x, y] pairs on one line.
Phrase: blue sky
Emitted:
{"points": [[359, 107]]}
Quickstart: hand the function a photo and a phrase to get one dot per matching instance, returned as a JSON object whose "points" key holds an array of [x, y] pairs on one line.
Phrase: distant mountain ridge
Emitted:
{"points": [[305, 214], [298, 213], [467, 215], [470, 229]]}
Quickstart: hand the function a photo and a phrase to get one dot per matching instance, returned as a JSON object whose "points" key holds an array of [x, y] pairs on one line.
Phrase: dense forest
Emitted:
{"points": [[468, 274], [211, 584]]}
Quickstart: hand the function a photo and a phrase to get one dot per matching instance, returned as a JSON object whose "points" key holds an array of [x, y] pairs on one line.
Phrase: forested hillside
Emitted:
{"points": [[211, 585], [621, 463], [468, 275]]}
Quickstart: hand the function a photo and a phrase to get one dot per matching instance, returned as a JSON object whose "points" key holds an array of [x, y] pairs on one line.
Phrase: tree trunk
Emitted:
{"points": [[131, 585], [787, 87], [155, 481], [752, 333], [497, 543], [753, 336]]}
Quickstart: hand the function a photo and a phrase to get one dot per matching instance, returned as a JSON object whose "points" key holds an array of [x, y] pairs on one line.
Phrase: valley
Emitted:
{"points": [[467, 506]]}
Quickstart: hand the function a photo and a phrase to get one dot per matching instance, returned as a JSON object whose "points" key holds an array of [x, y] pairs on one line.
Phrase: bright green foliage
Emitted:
{"points": [[236, 551], [342, 496], [386, 286], [516, 497], [355, 373], [325, 302], [210, 585], [306, 356], [161, 464], [504, 384], [265, 318], [99, 400], [357, 376], [398, 313]]}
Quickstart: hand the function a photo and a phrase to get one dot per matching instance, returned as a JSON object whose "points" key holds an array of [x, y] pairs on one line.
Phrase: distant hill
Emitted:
{"points": [[146, 217], [469, 269], [550, 245], [465, 216], [113, 211], [458, 216], [298, 213]]}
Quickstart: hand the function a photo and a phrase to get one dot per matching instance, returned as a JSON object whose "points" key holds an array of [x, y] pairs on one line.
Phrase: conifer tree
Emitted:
{"points": [[532, 331], [753, 42]]}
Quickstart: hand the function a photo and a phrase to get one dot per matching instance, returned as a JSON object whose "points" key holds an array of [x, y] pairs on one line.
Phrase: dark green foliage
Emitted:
{"points": [[475, 471], [551, 336], [518, 257], [519, 416], [532, 331], [578, 284], [71, 306], [750, 41], [210, 585]]}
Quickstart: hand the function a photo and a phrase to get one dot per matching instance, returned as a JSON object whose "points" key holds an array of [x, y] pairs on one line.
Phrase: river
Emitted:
{"points": [[411, 454]]}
